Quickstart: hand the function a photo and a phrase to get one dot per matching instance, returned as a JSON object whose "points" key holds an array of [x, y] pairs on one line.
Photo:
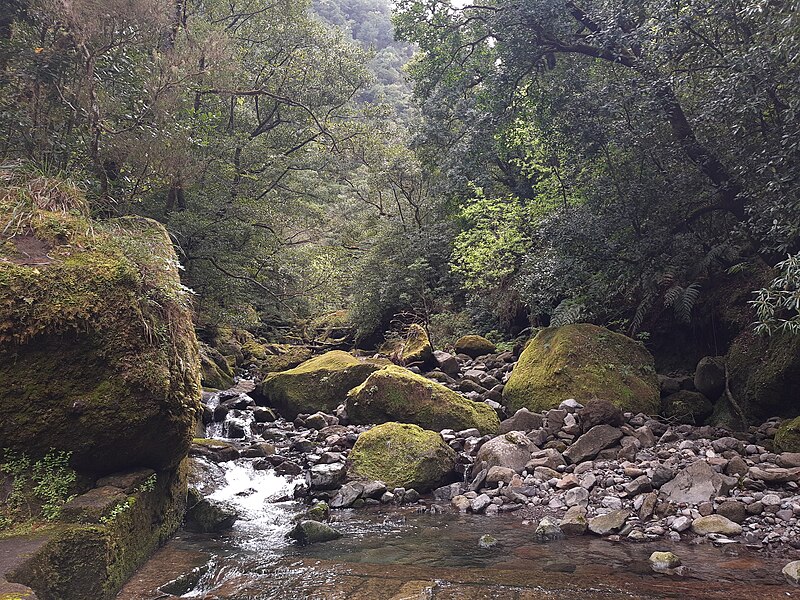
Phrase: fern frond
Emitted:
{"points": [[567, 313]]}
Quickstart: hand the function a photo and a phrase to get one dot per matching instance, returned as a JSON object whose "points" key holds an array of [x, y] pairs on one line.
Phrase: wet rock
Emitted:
{"points": [[695, 484], [664, 560], [327, 477], [715, 524], [319, 512], [215, 450], [207, 516], [373, 489], [599, 412], [512, 450], [320, 420], [609, 523], [461, 503], [313, 532], [548, 531], [259, 450], [480, 503], [792, 572], [592, 442], [574, 521], [287, 467], [347, 495], [523, 420], [487, 541], [264, 415], [681, 524]]}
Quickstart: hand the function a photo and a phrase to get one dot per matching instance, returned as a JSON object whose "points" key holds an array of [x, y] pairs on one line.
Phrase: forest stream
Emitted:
{"points": [[411, 552]]}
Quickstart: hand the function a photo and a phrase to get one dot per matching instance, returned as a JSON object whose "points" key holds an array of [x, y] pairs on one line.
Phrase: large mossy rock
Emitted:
{"points": [[397, 394], [417, 349], [319, 384], [216, 372], [764, 375], [787, 439], [98, 355], [402, 455], [92, 560], [474, 346], [583, 361]]}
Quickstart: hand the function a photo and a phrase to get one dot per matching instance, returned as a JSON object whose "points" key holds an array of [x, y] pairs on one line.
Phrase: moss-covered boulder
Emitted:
{"points": [[397, 394], [690, 408], [417, 349], [282, 357], [583, 361], [764, 375], [319, 384], [402, 455], [474, 346], [91, 561], [98, 355], [787, 439], [216, 373]]}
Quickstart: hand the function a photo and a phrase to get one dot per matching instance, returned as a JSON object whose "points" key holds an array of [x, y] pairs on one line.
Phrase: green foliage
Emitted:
{"points": [[38, 488], [778, 304]]}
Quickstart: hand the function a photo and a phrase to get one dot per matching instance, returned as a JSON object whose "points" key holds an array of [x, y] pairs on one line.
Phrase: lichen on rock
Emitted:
{"points": [[583, 361], [396, 394]]}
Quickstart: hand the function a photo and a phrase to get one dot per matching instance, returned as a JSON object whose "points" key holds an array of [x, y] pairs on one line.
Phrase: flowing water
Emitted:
{"points": [[403, 553]]}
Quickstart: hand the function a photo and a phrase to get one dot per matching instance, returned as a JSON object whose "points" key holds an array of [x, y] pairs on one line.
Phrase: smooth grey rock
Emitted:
{"points": [[592, 442], [512, 450], [609, 523], [548, 531], [523, 420], [715, 524], [664, 560], [695, 484], [312, 532], [792, 572], [347, 495], [574, 521], [327, 477]]}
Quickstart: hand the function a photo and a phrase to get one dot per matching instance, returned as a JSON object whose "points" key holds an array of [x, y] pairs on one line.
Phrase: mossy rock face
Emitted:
{"points": [[216, 373], [690, 408], [474, 346], [583, 361], [417, 349], [787, 439], [98, 354], [319, 384], [282, 357], [402, 455], [92, 562], [397, 394], [764, 375]]}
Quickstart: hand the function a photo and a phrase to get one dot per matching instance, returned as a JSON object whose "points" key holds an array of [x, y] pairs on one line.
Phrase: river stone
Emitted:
{"points": [[396, 394], [573, 362], [574, 521], [695, 484], [577, 497], [609, 523], [319, 384], [487, 541], [664, 560], [327, 477], [207, 516], [792, 572], [549, 457], [403, 455], [312, 532], [348, 494], [447, 362], [775, 475], [548, 531], [715, 524], [592, 442], [497, 474], [733, 510], [523, 420], [640, 485], [480, 503], [599, 412], [512, 450]]}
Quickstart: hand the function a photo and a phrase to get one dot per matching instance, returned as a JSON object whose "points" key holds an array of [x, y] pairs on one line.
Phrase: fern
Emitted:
{"points": [[641, 312], [567, 313], [682, 301]]}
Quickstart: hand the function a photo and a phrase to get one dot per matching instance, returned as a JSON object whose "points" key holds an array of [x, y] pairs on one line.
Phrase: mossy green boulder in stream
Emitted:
{"points": [[474, 346], [216, 373], [417, 349], [787, 439], [583, 361], [402, 455], [98, 355], [397, 394], [319, 384], [764, 375]]}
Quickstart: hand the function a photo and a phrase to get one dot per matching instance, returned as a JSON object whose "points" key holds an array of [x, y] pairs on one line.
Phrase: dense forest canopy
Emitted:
{"points": [[612, 161]]}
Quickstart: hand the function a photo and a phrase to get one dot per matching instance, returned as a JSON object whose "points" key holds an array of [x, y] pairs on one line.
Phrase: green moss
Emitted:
{"points": [[474, 346], [402, 455], [97, 350], [417, 348], [397, 394], [765, 374], [319, 384], [583, 361], [216, 373], [787, 439], [282, 357]]}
